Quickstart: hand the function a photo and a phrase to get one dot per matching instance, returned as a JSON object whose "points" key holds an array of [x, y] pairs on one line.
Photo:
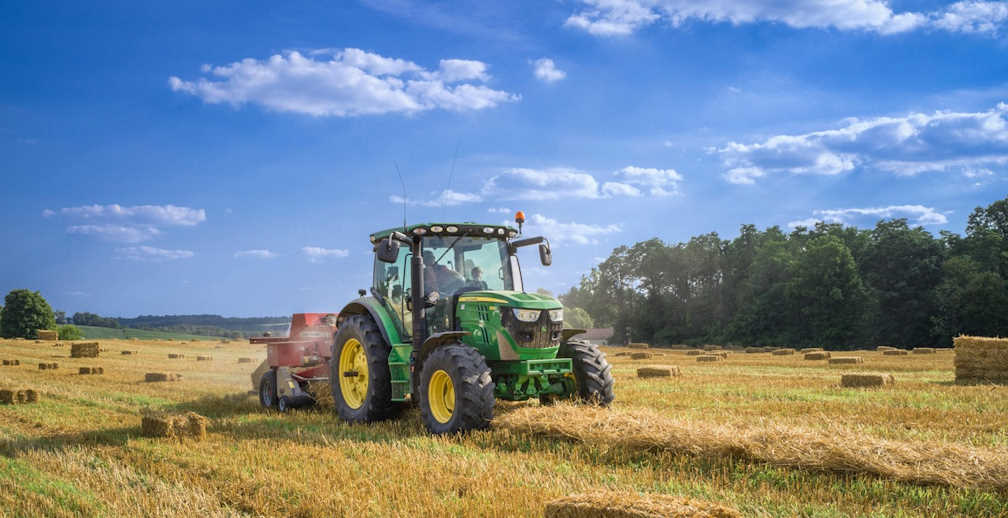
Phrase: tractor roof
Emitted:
{"points": [[451, 229]]}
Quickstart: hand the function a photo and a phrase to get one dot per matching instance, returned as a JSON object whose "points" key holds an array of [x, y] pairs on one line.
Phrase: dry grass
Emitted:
{"points": [[623, 504], [709, 358], [896, 352], [866, 379], [638, 345], [694, 352], [923, 350], [641, 356], [846, 360], [783, 352]]}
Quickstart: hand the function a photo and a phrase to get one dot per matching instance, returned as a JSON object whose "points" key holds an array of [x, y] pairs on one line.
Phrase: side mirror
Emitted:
{"points": [[387, 250], [545, 254]]}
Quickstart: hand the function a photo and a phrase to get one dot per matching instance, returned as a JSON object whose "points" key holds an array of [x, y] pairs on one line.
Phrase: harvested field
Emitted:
{"points": [[159, 424], [846, 360], [694, 352], [84, 350], [821, 355], [923, 350], [622, 504], [641, 356], [866, 379], [709, 358], [981, 360], [895, 352], [244, 360], [658, 371], [783, 352], [638, 345]]}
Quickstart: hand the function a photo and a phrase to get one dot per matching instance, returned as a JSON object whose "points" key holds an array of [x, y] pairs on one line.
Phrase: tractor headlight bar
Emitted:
{"points": [[556, 315], [526, 315]]}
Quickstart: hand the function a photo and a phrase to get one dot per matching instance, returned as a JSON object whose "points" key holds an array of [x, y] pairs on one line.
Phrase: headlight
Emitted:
{"points": [[556, 315], [526, 315]]}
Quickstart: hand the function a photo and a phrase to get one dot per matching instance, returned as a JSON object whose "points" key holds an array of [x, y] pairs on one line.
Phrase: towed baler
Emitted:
{"points": [[294, 361]]}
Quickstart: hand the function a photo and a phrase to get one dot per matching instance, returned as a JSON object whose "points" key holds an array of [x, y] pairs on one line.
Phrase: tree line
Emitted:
{"points": [[832, 286]]}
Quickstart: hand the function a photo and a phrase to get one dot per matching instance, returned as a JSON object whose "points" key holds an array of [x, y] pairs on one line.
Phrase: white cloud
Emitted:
{"points": [[152, 214], [613, 189], [557, 232], [916, 214], [317, 254], [260, 253], [624, 17], [116, 233], [907, 145], [446, 198], [499, 210], [347, 82], [149, 253], [545, 70], [658, 182]]}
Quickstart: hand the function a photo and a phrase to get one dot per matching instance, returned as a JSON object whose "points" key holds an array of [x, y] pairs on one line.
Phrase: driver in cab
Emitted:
{"points": [[438, 277]]}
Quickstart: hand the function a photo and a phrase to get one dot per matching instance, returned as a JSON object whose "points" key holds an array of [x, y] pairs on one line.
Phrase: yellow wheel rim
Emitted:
{"points": [[353, 373], [441, 395]]}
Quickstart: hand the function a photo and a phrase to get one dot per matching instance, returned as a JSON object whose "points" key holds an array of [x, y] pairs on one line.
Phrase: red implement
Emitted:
{"points": [[307, 347]]}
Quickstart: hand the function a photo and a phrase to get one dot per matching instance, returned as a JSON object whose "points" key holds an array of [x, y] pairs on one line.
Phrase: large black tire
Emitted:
{"points": [[267, 389], [592, 372], [473, 389], [376, 403]]}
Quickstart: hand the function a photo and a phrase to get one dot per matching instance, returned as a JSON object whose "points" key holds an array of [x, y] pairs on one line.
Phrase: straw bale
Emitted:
{"points": [[84, 350], [884, 348], [895, 352], [7, 362], [846, 360], [722, 354], [54, 365], [979, 359], [7, 397], [712, 347], [923, 350], [658, 371], [866, 379], [624, 353], [84, 370], [126, 352], [20, 396], [244, 360], [48, 334], [638, 345], [627, 504], [811, 350], [175, 356], [161, 376], [783, 352], [818, 355], [640, 356], [195, 426], [43, 366], [203, 358], [694, 352], [751, 350], [31, 396], [159, 424], [709, 358]]}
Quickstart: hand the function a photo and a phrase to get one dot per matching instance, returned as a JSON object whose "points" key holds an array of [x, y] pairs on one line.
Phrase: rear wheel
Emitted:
{"points": [[593, 379], [456, 392], [359, 372], [267, 389]]}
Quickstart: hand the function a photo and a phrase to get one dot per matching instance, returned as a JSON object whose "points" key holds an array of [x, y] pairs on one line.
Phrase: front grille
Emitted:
{"points": [[533, 335]]}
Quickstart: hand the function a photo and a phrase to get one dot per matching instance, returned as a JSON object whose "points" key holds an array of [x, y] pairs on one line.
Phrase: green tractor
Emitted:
{"points": [[448, 327]]}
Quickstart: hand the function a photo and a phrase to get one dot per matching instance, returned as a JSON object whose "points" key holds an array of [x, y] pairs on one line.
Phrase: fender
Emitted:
{"points": [[567, 334], [438, 339], [371, 306]]}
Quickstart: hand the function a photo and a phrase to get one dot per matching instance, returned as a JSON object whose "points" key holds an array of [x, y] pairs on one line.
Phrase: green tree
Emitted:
{"points": [[577, 318], [24, 313], [70, 332], [828, 291]]}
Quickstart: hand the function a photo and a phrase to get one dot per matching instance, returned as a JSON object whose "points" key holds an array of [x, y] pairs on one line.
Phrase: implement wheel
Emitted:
{"points": [[359, 372], [267, 389], [456, 392], [593, 379]]}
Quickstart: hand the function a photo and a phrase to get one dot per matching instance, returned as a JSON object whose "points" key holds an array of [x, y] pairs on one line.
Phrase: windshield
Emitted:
{"points": [[454, 264]]}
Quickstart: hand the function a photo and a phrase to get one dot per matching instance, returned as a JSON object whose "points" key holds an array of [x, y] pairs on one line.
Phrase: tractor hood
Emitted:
{"points": [[515, 299]]}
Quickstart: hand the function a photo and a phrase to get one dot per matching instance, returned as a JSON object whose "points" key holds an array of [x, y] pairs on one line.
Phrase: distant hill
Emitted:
{"points": [[203, 325], [94, 332]]}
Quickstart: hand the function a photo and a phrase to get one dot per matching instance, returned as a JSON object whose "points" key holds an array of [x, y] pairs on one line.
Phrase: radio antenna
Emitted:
{"points": [[403, 183]]}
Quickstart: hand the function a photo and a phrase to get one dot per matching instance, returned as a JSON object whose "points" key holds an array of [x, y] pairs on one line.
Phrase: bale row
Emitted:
{"points": [[866, 379], [14, 397], [694, 352], [884, 348], [638, 345], [175, 356], [48, 334], [923, 350], [12, 362], [91, 370], [658, 371], [811, 350], [50, 366], [190, 424], [979, 359], [709, 358], [161, 376], [846, 360], [640, 356], [895, 352], [783, 352], [203, 358], [712, 347], [623, 504], [84, 350], [818, 355]]}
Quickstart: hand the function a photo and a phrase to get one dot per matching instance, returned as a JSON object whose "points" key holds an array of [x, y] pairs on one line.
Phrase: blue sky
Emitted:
{"points": [[232, 159]]}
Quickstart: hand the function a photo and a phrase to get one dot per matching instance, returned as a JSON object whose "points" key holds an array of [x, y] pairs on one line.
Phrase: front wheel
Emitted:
{"points": [[456, 391], [592, 373]]}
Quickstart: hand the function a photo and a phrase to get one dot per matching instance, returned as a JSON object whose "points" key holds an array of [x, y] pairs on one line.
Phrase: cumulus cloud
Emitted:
{"points": [[153, 214], [564, 182], [317, 254], [916, 214], [446, 198], [346, 82], [545, 70], [558, 232], [908, 145], [149, 253], [116, 233], [499, 210], [624, 17], [259, 253], [657, 182]]}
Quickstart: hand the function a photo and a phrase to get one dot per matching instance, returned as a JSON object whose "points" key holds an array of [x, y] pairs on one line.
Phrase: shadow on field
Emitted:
{"points": [[228, 405], [108, 437]]}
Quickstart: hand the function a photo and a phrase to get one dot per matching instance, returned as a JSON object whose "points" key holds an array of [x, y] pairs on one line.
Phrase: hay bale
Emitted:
{"points": [[640, 356], [47, 334], [20, 396], [175, 356], [126, 352], [84, 370], [624, 353], [884, 348], [638, 345], [712, 347], [160, 424], [31, 396], [7, 397], [866, 379], [43, 366], [709, 358], [722, 354], [923, 350], [846, 360], [811, 350], [629, 504], [6, 362], [658, 371], [753, 350], [820, 355], [244, 360], [694, 352], [161, 376], [979, 359], [895, 352], [195, 426], [203, 358], [84, 350], [54, 365], [783, 352]]}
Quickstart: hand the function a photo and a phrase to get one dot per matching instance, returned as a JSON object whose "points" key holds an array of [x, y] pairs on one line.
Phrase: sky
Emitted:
{"points": [[233, 157]]}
